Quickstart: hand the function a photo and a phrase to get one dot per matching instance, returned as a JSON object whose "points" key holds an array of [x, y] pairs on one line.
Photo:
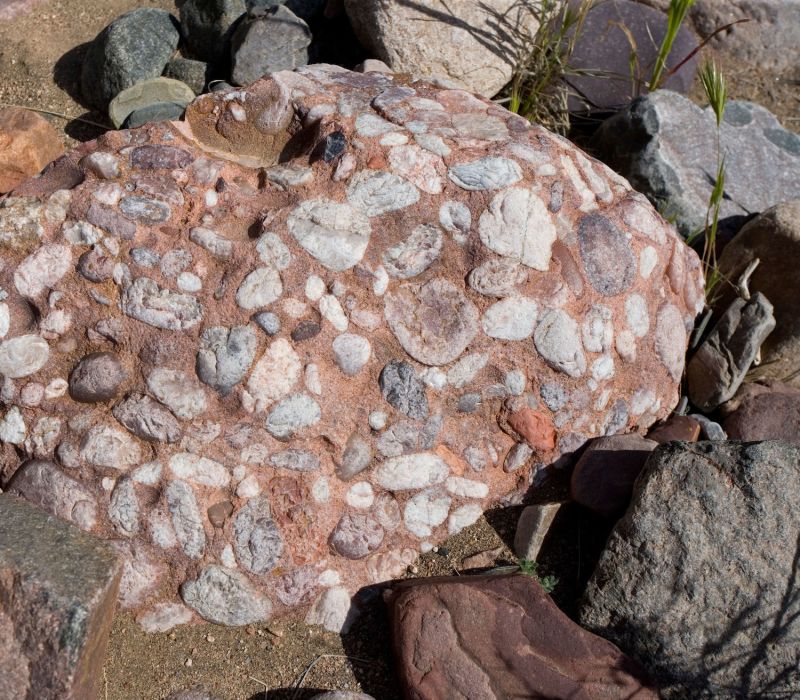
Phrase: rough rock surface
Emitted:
{"points": [[774, 238], [603, 477], [294, 386], [28, 142], [666, 146], [208, 25], [712, 527], [58, 591], [489, 637], [134, 47], [769, 411], [603, 48], [718, 367], [470, 42]]}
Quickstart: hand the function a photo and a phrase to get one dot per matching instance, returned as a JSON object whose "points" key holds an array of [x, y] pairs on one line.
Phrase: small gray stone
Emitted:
{"points": [[95, 265], [497, 277], [607, 257], [186, 518], [490, 173], [225, 356], [356, 535], [111, 222], [268, 322], [377, 192], [145, 257], [97, 377], [225, 597], [403, 389], [718, 367], [145, 301], [123, 508], [258, 541], [532, 528], [219, 246], [357, 456], [558, 341], [415, 254], [148, 419], [296, 460], [291, 415], [517, 457], [156, 112], [193, 73], [144, 209], [268, 43]]}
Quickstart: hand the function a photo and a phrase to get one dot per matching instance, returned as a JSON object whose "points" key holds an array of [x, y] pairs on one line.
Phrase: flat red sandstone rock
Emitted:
{"points": [[494, 637], [271, 351]]}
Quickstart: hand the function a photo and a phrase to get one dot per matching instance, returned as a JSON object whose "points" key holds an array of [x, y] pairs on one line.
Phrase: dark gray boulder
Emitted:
{"points": [[194, 73], [700, 581], [208, 25], [666, 146], [134, 47], [273, 40]]}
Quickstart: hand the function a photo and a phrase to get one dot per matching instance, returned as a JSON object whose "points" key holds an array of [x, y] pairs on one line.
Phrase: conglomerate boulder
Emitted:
{"points": [[276, 350]]}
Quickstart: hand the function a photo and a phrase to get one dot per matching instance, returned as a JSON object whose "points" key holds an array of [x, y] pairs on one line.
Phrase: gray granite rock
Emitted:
{"points": [[134, 47], [193, 73], [58, 591], [208, 25], [699, 580], [720, 364], [665, 145], [273, 41]]}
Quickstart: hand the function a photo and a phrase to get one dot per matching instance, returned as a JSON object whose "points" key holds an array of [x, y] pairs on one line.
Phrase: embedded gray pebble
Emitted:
{"points": [[225, 356], [357, 456], [403, 389], [356, 535], [97, 377], [268, 322], [258, 540], [147, 419]]}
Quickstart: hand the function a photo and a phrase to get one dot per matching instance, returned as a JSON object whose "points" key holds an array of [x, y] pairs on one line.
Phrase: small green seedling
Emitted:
{"points": [[531, 568]]}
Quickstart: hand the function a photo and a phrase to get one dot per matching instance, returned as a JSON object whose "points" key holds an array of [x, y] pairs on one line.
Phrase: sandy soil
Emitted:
{"points": [[41, 47]]}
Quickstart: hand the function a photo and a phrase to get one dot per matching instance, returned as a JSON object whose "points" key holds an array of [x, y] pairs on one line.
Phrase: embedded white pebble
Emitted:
{"points": [[145, 301], [456, 218], [671, 339], [31, 395], [108, 194], [42, 270], [55, 324], [377, 192], [626, 346], [415, 254], [275, 374], [515, 382], [648, 259], [189, 282], [414, 471], [378, 420], [56, 388], [432, 143], [248, 487], [105, 446], [290, 175], [381, 282], [219, 246], [211, 198], [81, 233], [641, 401], [294, 308], [366, 319], [463, 516], [489, 173], [148, 474], [360, 495], [332, 311], [426, 510], [602, 368], [12, 427], [228, 558], [588, 200], [345, 167], [321, 490], [260, 288], [199, 470], [559, 342], [328, 578], [291, 415], [466, 488], [315, 287], [598, 329], [312, 380], [332, 611], [370, 125], [335, 234], [546, 170], [351, 352], [163, 617], [434, 378], [178, 391], [394, 138], [101, 164], [636, 315], [512, 318], [5, 320], [466, 369], [273, 251], [418, 166], [187, 520], [517, 225]]}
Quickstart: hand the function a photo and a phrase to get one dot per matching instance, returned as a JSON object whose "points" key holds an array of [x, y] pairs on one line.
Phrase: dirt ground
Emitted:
{"points": [[41, 49]]}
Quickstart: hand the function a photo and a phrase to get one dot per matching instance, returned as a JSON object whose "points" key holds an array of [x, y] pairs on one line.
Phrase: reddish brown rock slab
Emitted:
{"points": [[492, 637], [58, 590], [765, 412], [682, 428], [603, 477], [28, 142]]}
